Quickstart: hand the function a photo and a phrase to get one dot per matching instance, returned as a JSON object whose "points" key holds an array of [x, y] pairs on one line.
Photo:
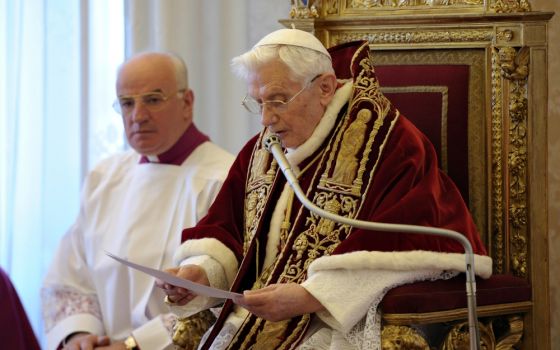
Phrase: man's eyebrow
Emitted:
{"points": [[159, 90]]}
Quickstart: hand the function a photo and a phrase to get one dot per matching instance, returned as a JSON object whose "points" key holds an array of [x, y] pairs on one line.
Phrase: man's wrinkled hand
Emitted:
{"points": [[113, 346], [279, 302], [86, 341], [181, 296]]}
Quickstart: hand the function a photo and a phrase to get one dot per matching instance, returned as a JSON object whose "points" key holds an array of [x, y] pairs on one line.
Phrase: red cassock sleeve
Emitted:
{"points": [[409, 188], [15, 330]]}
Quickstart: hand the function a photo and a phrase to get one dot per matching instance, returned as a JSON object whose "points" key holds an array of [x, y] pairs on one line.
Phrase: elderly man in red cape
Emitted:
{"points": [[309, 282]]}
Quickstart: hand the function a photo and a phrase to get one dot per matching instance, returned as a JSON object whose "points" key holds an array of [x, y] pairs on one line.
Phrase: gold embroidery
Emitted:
{"points": [[347, 160], [260, 161], [258, 186], [272, 335], [309, 236]]}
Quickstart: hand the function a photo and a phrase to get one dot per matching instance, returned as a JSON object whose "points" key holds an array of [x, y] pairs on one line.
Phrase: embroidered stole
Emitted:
{"points": [[339, 184]]}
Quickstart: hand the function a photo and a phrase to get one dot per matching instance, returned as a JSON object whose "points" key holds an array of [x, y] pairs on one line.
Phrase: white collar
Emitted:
{"points": [[322, 130]]}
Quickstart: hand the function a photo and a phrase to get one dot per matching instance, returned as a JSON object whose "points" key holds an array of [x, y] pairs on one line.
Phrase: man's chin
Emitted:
{"points": [[144, 149]]}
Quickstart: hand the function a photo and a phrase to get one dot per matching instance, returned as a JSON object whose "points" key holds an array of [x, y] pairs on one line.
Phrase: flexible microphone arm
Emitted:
{"points": [[272, 144]]}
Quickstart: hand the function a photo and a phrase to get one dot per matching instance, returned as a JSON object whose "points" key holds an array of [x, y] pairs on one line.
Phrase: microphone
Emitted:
{"points": [[272, 145]]}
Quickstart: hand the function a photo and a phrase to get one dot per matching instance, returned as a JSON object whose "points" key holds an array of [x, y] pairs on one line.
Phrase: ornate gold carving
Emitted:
{"points": [[331, 6], [498, 333], [367, 4], [514, 65], [497, 168], [458, 337], [505, 35], [303, 9], [188, 331], [501, 6], [414, 37], [402, 337], [513, 335]]}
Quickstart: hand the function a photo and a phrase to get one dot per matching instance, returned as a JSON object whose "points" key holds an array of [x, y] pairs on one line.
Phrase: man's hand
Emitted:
{"points": [[113, 346], [86, 341], [182, 296], [279, 302]]}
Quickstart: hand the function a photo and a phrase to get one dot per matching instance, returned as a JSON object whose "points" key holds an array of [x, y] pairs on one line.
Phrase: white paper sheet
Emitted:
{"points": [[197, 288]]}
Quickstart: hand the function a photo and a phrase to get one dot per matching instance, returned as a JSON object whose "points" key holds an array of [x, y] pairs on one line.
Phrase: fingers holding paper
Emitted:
{"points": [[178, 295]]}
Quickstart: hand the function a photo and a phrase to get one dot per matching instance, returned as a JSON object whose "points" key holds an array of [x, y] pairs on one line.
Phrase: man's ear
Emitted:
{"points": [[327, 85], [188, 99]]}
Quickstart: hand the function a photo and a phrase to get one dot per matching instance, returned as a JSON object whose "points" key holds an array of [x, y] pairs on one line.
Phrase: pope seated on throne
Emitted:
{"points": [[309, 282]]}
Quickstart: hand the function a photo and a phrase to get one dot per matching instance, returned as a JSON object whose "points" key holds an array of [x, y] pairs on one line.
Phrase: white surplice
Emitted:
{"points": [[135, 211]]}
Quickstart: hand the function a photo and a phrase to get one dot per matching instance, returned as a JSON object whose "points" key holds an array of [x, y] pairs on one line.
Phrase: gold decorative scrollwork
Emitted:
{"points": [[500, 333], [331, 6], [402, 337], [506, 6], [458, 337], [412, 37], [513, 335], [514, 68], [410, 3], [497, 168], [301, 9]]}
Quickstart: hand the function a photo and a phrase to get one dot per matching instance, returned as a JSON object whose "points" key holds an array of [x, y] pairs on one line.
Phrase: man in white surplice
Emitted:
{"points": [[134, 204]]}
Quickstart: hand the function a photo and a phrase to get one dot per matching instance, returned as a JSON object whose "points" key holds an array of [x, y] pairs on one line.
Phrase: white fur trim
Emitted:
{"points": [[399, 261], [213, 248], [323, 129]]}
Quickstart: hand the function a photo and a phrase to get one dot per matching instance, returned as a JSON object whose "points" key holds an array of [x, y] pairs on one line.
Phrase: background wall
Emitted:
{"points": [[553, 162]]}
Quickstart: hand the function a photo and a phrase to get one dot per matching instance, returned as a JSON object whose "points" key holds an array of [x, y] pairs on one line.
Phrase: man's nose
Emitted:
{"points": [[139, 112], [268, 116]]}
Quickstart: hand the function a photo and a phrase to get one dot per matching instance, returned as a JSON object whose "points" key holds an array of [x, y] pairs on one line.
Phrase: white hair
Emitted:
{"points": [[181, 71], [304, 64]]}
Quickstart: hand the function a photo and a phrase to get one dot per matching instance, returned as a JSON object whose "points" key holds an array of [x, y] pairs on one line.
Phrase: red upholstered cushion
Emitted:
{"points": [[431, 296]]}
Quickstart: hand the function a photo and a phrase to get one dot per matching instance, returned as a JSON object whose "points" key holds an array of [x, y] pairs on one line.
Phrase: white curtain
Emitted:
{"points": [[57, 70], [207, 34], [57, 66]]}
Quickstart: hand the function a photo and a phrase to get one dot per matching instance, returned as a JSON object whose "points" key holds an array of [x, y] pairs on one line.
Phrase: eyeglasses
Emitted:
{"points": [[152, 101], [257, 107]]}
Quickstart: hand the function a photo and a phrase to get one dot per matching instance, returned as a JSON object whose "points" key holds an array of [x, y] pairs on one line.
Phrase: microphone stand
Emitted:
{"points": [[272, 144]]}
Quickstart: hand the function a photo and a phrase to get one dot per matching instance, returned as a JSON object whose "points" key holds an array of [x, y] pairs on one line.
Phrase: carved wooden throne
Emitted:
{"points": [[471, 74]]}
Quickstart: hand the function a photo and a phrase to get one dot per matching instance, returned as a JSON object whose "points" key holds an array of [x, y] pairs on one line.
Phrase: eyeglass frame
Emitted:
{"points": [[118, 107], [275, 104]]}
